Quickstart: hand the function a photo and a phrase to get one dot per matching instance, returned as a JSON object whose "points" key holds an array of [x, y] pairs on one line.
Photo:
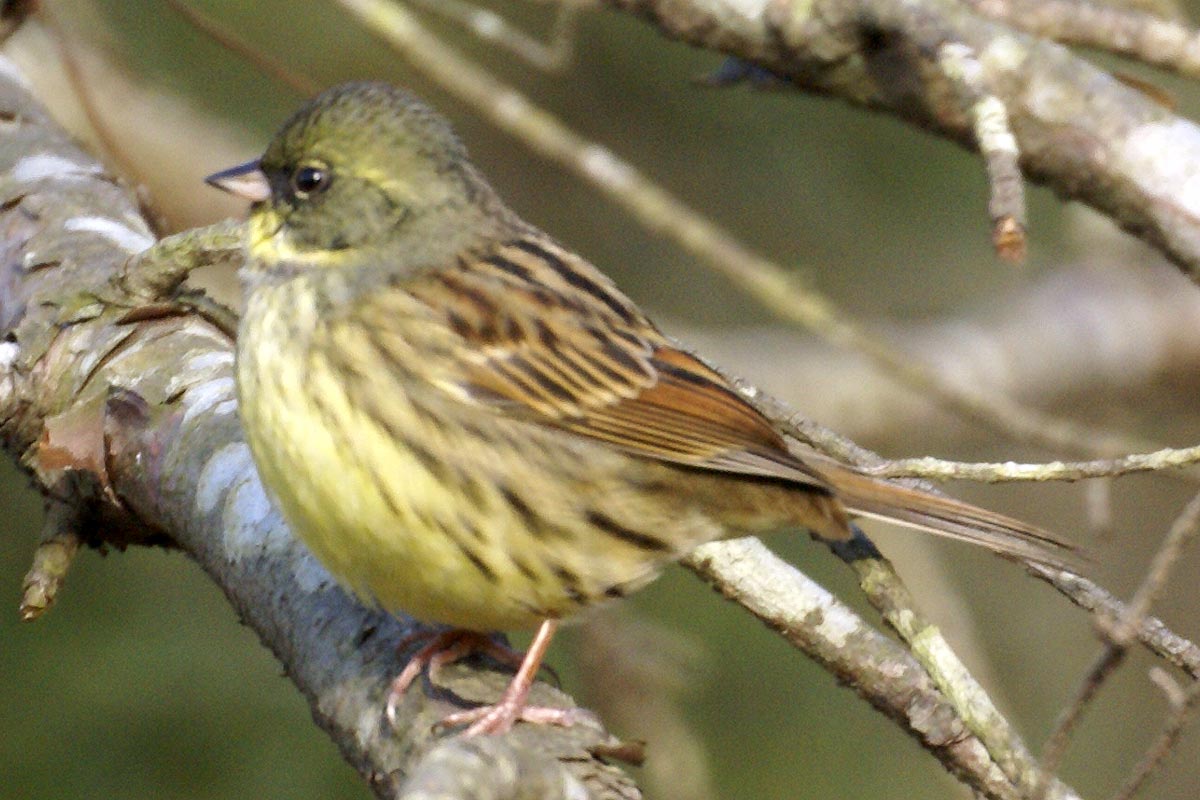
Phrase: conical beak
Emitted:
{"points": [[245, 180]]}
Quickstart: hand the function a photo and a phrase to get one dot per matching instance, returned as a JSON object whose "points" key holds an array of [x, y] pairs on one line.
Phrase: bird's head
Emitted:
{"points": [[363, 168]]}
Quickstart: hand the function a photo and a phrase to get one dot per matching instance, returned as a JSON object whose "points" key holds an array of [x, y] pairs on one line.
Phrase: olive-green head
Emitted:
{"points": [[362, 168]]}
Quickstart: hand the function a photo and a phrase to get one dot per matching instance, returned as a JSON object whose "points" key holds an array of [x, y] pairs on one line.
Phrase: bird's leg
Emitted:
{"points": [[449, 646], [443, 648], [500, 717]]}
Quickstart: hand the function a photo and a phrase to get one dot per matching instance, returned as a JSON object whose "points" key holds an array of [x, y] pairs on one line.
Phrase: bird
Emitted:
{"points": [[469, 423]]}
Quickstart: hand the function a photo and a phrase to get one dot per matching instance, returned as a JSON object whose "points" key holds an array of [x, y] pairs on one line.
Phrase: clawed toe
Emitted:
{"points": [[448, 646], [500, 718]]}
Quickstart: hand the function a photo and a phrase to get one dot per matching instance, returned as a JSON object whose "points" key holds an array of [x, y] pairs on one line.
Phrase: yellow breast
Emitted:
{"points": [[412, 511]]}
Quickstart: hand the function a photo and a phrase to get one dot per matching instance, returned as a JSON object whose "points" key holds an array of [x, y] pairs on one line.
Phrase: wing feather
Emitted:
{"points": [[547, 337]]}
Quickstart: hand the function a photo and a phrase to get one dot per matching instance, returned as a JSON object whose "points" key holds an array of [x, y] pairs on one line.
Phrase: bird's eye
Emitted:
{"points": [[309, 180]]}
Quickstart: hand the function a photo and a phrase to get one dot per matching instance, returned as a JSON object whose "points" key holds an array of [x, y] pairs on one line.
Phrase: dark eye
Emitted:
{"points": [[309, 180]]}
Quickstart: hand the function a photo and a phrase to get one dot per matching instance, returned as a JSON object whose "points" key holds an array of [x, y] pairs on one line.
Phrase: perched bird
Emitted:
{"points": [[467, 422]]}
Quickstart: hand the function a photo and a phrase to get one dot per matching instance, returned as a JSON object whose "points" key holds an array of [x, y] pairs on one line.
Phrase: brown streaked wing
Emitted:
{"points": [[549, 338]]}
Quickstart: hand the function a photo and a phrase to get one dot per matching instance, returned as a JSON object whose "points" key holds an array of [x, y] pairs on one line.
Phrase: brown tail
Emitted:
{"points": [[871, 497]]}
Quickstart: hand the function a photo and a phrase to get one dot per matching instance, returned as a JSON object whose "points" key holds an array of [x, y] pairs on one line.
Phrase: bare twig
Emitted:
{"points": [[271, 67], [1152, 633], [1119, 634], [55, 552], [1182, 710], [940, 470], [553, 55], [1181, 533], [890, 596], [997, 145], [826, 630], [1081, 591]]}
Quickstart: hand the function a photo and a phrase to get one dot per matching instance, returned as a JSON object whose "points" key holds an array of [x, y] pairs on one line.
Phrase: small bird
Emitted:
{"points": [[467, 422]]}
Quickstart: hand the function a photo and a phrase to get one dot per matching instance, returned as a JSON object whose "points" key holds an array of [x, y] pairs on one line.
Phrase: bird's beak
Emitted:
{"points": [[245, 180]]}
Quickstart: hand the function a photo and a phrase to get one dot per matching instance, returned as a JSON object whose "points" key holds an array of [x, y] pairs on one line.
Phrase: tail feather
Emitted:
{"points": [[865, 496]]}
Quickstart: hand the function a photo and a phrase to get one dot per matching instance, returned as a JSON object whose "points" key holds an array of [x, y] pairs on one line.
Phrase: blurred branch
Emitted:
{"points": [[1095, 330], [1141, 35], [891, 597], [881, 671], [1119, 633], [235, 44], [551, 56], [638, 675], [1151, 632], [145, 390], [1182, 710]]}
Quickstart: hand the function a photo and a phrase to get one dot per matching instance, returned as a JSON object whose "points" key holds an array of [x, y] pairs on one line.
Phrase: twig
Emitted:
{"points": [[877, 668], [157, 273], [941, 470], [1118, 636], [997, 145], [55, 552], [888, 594], [269, 66], [1152, 632], [554, 55], [1183, 705], [1081, 591]]}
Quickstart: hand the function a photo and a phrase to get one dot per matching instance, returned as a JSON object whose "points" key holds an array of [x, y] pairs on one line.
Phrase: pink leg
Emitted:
{"points": [[499, 718], [448, 646], [442, 648]]}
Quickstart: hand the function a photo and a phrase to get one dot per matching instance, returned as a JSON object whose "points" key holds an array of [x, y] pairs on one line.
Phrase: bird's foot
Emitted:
{"points": [[444, 647], [448, 646], [500, 718]]}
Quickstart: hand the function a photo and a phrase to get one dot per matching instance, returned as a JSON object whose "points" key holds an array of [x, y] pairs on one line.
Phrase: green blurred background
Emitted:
{"points": [[141, 683]]}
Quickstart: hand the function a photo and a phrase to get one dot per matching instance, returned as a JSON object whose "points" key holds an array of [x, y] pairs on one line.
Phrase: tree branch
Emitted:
{"points": [[1079, 130]]}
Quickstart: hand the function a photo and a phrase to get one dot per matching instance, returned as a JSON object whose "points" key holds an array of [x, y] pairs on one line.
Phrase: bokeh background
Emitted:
{"points": [[141, 683]]}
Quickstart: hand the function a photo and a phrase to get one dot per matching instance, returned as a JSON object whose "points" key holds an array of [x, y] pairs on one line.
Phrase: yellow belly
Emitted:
{"points": [[387, 501]]}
